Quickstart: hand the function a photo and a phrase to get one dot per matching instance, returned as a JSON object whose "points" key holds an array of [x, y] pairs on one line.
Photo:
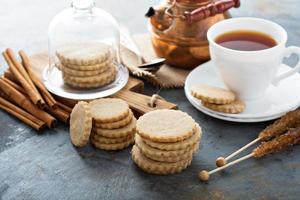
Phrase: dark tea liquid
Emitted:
{"points": [[245, 40]]}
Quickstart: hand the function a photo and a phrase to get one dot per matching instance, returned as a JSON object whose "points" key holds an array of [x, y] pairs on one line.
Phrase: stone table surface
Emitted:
{"points": [[47, 166]]}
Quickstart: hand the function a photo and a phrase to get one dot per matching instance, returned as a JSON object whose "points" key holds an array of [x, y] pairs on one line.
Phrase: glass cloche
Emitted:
{"points": [[84, 48]]}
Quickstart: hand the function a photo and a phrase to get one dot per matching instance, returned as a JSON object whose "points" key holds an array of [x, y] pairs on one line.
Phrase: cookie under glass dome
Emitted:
{"points": [[84, 44]]}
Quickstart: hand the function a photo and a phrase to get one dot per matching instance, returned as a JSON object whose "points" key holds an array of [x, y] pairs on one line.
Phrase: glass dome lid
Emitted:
{"points": [[83, 23], [84, 48]]}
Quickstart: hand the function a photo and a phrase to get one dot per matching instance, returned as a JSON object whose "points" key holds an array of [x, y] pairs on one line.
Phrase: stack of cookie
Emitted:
{"points": [[114, 124], [166, 141], [218, 99], [86, 65]]}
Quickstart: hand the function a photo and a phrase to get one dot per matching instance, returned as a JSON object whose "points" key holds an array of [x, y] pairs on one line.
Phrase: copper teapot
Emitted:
{"points": [[178, 29]]}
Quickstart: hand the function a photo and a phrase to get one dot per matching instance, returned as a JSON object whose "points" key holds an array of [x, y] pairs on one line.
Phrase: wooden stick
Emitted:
{"points": [[34, 96], [204, 175], [221, 161], [45, 93], [22, 115], [21, 100]]}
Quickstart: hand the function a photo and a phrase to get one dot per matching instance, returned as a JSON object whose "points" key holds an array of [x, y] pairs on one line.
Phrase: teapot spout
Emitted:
{"points": [[158, 18], [150, 12]]}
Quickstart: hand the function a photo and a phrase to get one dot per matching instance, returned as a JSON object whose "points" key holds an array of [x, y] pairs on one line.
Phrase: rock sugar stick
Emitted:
{"points": [[289, 120], [278, 144]]}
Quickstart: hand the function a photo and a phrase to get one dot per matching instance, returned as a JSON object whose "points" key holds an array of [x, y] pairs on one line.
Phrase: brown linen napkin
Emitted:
{"points": [[165, 77]]}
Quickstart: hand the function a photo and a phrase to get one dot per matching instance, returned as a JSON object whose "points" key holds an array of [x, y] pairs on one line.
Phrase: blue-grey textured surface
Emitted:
{"points": [[47, 166]]}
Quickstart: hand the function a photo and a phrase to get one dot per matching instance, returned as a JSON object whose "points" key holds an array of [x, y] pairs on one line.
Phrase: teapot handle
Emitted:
{"points": [[211, 10]]}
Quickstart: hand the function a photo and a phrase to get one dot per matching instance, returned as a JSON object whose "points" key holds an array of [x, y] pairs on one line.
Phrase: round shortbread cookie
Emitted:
{"points": [[118, 124], [118, 132], [80, 124], [83, 53], [113, 147], [148, 150], [159, 168], [110, 72], [187, 143], [235, 107], [165, 125], [106, 140], [108, 110], [83, 73], [91, 85], [171, 159], [212, 94], [98, 66]]}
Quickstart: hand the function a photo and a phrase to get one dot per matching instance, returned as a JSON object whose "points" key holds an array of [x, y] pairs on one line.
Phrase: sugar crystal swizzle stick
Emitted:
{"points": [[280, 126], [278, 144]]}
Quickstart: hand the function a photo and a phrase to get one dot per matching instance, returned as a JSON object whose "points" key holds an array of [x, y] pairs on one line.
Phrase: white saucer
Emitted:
{"points": [[277, 100], [53, 80]]}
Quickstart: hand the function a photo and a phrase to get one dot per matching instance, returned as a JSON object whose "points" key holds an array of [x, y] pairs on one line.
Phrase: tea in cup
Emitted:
{"points": [[248, 53]]}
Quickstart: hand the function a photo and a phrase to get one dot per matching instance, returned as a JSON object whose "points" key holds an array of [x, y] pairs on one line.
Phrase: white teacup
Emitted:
{"points": [[249, 73]]}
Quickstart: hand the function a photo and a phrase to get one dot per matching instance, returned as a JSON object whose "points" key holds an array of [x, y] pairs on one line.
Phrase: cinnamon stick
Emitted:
{"points": [[33, 95], [62, 112], [19, 67], [14, 85], [22, 115], [68, 102], [64, 107], [10, 76], [43, 90], [59, 114], [21, 100]]}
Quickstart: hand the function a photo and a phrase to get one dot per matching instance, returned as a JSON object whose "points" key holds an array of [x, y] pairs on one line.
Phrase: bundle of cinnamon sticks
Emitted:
{"points": [[23, 95]]}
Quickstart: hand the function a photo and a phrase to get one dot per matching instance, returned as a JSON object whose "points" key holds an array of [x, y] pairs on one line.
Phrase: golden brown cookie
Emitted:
{"points": [[80, 124], [109, 110], [118, 132], [150, 151], [83, 53], [113, 147], [165, 126], [97, 66], [170, 159], [118, 124], [235, 107], [212, 94], [159, 168], [83, 73], [106, 140], [99, 78], [91, 85], [169, 146]]}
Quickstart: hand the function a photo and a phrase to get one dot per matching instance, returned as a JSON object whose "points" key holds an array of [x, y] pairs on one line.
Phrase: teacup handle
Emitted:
{"points": [[288, 51]]}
